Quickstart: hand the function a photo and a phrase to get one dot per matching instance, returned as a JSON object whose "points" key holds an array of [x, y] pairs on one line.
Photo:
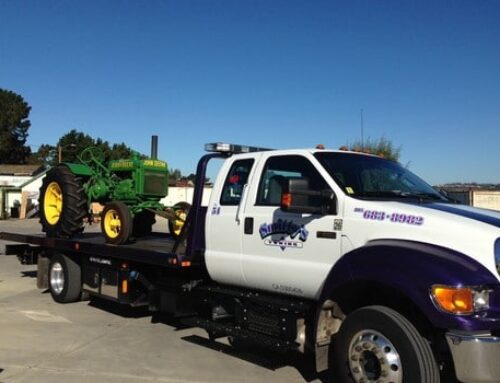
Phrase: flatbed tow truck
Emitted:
{"points": [[347, 256]]}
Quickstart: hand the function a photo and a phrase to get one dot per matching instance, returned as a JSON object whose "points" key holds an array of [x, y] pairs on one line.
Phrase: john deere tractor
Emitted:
{"points": [[130, 190]]}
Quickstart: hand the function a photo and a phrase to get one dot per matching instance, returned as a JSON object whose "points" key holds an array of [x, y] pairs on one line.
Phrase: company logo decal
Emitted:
{"points": [[286, 229]]}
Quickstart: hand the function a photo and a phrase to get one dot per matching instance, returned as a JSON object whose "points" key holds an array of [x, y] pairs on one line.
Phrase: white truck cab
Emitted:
{"points": [[311, 223]]}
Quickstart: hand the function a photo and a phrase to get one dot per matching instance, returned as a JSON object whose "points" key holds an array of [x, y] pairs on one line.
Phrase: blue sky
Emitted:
{"points": [[283, 74]]}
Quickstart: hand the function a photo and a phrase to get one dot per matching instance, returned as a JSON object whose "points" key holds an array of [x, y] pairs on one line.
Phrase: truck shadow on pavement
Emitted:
{"points": [[28, 274], [120, 310], [262, 357], [271, 360]]}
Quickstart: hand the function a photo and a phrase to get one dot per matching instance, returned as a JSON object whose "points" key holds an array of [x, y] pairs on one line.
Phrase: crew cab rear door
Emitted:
{"points": [[224, 225]]}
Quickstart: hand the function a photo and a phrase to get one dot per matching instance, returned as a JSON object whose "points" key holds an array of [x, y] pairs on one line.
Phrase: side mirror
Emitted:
{"points": [[297, 197]]}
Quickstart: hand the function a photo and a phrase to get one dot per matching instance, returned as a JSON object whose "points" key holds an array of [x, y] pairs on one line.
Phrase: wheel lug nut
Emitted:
{"points": [[366, 345], [354, 358], [356, 370], [358, 348], [381, 361], [383, 374]]}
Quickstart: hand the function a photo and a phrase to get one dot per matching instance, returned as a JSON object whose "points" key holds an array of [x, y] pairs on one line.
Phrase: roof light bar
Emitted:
{"points": [[223, 147]]}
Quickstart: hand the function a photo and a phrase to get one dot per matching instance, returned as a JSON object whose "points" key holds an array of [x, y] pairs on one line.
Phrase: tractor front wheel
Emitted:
{"points": [[62, 203], [116, 223]]}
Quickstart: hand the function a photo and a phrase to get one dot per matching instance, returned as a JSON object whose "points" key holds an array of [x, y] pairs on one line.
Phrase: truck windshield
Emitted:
{"points": [[372, 177]]}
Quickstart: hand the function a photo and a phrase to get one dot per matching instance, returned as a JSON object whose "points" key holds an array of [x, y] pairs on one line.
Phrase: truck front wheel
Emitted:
{"points": [[65, 279], [377, 344]]}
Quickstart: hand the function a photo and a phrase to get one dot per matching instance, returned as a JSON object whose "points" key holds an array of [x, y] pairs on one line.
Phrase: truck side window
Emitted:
{"points": [[235, 180], [278, 170]]}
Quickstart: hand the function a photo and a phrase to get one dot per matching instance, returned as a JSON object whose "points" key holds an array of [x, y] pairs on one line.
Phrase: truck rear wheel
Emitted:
{"points": [[175, 225], [62, 203], [116, 223], [65, 279], [377, 344]]}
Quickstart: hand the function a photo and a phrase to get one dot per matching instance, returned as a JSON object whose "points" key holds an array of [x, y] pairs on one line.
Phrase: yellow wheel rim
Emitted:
{"points": [[53, 203], [112, 223], [180, 218]]}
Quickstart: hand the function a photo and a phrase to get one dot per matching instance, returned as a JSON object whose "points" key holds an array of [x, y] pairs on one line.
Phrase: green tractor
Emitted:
{"points": [[130, 190]]}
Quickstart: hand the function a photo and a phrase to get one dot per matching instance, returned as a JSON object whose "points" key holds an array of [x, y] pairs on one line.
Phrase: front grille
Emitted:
{"points": [[155, 184]]}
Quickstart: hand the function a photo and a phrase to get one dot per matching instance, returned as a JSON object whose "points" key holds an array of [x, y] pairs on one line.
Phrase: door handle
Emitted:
{"points": [[248, 225]]}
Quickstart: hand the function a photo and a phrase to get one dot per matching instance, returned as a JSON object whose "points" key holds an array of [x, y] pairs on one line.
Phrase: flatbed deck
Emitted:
{"points": [[158, 249]]}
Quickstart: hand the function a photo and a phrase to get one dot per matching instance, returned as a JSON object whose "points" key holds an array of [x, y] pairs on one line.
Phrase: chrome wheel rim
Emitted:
{"points": [[373, 358], [57, 278]]}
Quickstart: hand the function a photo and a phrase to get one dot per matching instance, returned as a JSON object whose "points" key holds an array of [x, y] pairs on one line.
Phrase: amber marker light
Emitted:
{"points": [[454, 300], [124, 286]]}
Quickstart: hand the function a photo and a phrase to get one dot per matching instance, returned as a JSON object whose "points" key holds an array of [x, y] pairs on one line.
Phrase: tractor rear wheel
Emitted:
{"points": [[62, 203], [175, 225], [116, 223]]}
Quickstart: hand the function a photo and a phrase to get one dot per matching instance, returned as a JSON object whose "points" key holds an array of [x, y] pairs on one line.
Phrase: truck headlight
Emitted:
{"points": [[460, 300]]}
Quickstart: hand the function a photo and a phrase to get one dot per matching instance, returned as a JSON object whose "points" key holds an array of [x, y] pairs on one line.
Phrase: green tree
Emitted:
{"points": [[382, 147], [14, 125], [174, 175], [74, 142], [71, 144], [120, 151]]}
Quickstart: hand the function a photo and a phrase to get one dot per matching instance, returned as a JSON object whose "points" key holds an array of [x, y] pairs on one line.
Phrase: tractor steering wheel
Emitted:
{"points": [[91, 155]]}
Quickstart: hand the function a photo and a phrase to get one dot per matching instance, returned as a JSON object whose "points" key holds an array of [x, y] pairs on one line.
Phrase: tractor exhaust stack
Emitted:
{"points": [[154, 147]]}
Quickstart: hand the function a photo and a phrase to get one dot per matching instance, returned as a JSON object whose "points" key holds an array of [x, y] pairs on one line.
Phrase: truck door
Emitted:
{"points": [[224, 227], [287, 252]]}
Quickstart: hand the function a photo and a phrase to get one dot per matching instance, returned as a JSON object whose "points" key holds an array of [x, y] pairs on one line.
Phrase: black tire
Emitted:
{"points": [[65, 279], [143, 223], [181, 209], [377, 333], [116, 223], [66, 219]]}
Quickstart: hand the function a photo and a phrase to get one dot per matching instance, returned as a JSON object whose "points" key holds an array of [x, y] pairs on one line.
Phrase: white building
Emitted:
{"points": [[14, 179]]}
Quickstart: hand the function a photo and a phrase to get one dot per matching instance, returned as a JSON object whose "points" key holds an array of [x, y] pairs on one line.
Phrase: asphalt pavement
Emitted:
{"points": [[97, 341]]}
